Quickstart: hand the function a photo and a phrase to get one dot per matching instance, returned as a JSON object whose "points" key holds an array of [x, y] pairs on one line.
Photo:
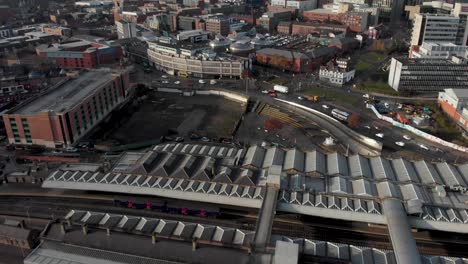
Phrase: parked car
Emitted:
{"points": [[71, 149], [365, 96], [201, 82], [399, 143], [300, 98], [194, 136], [179, 139], [325, 107], [165, 82], [177, 82], [164, 76], [264, 91], [380, 135], [423, 147], [406, 137], [213, 82], [205, 139]]}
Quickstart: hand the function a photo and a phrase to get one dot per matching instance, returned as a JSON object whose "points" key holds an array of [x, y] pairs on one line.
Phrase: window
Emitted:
{"points": [[77, 123]]}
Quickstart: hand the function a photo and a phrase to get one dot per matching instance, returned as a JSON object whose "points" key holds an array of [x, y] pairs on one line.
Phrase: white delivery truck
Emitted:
{"points": [[280, 88]]}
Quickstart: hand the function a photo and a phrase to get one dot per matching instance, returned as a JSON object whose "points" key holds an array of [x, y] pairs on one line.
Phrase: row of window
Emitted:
{"points": [[101, 104], [26, 131]]}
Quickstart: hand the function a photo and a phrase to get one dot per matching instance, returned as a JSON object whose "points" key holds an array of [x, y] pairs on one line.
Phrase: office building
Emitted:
{"points": [[63, 114], [125, 29], [438, 29], [218, 25], [413, 76]]}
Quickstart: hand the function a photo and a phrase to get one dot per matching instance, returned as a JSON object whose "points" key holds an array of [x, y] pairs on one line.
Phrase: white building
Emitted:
{"points": [[337, 72], [431, 50], [125, 29], [301, 6]]}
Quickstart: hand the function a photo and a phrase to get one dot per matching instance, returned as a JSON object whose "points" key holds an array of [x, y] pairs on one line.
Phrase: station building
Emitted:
{"points": [[64, 113]]}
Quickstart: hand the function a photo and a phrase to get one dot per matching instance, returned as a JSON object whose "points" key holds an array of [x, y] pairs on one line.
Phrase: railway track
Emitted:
{"points": [[44, 207]]}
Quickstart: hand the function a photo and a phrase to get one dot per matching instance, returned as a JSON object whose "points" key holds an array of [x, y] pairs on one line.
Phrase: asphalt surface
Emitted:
{"points": [[411, 150]]}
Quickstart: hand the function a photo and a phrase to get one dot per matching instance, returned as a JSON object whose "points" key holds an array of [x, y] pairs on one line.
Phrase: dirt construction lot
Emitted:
{"points": [[163, 113]]}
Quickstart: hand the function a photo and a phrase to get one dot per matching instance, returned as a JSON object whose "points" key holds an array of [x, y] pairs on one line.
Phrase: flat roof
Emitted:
{"points": [[460, 93], [67, 95]]}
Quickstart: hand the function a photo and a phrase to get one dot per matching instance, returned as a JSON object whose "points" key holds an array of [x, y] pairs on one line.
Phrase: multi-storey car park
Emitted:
{"points": [[399, 193]]}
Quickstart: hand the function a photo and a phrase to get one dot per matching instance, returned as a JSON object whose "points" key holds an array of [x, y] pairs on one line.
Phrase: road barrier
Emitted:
{"points": [[366, 141], [419, 132], [226, 94]]}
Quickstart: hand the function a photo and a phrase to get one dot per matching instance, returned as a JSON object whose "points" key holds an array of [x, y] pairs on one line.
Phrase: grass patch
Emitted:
{"points": [[376, 87], [279, 81], [366, 61], [362, 66], [339, 97], [446, 129]]}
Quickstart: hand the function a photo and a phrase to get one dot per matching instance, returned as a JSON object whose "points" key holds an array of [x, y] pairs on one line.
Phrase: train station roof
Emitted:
{"points": [[310, 181]]}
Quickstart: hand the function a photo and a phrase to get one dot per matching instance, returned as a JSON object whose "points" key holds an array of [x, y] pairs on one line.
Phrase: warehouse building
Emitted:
{"points": [[412, 76], [64, 113]]}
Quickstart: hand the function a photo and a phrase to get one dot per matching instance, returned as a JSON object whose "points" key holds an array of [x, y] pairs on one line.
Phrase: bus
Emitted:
{"points": [[340, 115]]}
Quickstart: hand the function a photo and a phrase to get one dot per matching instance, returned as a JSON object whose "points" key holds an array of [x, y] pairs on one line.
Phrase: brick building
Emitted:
{"points": [[295, 61], [218, 25], [63, 114], [344, 44], [56, 30], [80, 54], [284, 27], [19, 237], [454, 102], [305, 28], [356, 21]]}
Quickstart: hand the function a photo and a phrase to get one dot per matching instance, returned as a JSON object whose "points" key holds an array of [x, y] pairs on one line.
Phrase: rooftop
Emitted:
{"points": [[65, 96], [321, 10], [460, 93]]}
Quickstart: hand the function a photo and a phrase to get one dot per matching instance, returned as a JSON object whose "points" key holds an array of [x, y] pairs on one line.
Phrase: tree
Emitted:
{"points": [[354, 120]]}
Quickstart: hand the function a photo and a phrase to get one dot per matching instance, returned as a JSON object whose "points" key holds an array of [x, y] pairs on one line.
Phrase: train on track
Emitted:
{"points": [[167, 207]]}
